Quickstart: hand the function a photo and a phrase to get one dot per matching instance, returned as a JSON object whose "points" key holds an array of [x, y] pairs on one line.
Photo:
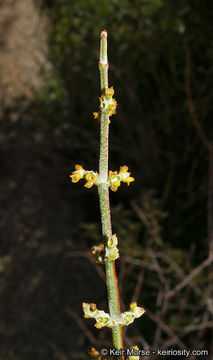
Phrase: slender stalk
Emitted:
{"points": [[107, 253], [103, 190]]}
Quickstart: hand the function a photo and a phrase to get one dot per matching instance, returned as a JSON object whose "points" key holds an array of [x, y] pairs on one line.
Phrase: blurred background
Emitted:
{"points": [[160, 54]]}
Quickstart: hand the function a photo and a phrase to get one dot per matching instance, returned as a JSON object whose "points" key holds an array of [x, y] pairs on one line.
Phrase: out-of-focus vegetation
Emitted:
{"points": [[164, 233], [153, 130]]}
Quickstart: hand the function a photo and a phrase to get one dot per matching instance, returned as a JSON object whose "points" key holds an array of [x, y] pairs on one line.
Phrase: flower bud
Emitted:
{"points": [[92, 307], [109, 92], [113, 241]]}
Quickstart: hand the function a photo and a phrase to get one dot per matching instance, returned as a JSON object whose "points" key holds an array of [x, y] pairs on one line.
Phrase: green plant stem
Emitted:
{"points": [[103, 190]]}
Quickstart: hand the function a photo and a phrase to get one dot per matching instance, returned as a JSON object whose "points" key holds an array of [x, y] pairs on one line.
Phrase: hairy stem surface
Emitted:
{"points": [[103, 190]]}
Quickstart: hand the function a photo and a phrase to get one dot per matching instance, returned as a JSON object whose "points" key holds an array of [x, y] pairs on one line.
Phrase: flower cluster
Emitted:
{"points": [[92, 178], [101, 317], [115, 178], [80, 173], [111, 250], [107, 103], [129, 316]]}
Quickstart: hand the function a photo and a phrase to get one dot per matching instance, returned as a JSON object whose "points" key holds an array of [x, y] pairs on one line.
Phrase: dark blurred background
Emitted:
{"points": [[161, 56]]}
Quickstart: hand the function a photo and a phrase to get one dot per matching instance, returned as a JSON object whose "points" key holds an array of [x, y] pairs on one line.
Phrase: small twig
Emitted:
{"points": [[141, 339], [190, 328], [138, 284], [81, 325], [190, 103], [158, 269], [190, 277], [166, 329]]}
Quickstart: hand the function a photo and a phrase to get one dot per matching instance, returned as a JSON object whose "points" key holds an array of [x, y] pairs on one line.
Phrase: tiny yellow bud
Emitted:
{"points": [[75, 177], [116, 183], [92, 307], [96, 115], [135, 347], [109, 92], [98, 326], [93, 352], [101, 98], [90, 176], [133, 306], [123, 169], [78, 167], [112, 174], [88, 185], [86, 316], [113, 255], [111, 108], [129, 179], [105, 320], [113, 241], [113, 188]]}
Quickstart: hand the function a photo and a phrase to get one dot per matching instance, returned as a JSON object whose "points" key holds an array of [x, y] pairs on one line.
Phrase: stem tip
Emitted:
{"points": [[104, 34]]}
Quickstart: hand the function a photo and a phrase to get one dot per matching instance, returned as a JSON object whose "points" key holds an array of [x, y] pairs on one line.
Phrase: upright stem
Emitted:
{"points": [[103, 190]]}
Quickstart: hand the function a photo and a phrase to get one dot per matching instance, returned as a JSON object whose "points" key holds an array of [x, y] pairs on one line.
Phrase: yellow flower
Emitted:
{"points": [[112, 174], [75, 177], [109, 92], [116, 183], [78, 174], [123, 169], [133, 306], [88, 184], [96, 115], [112, 106], [78, 167], [92, 307], [113, 188], [129, 179], [90, 176], [101, 98], [93, 352], [98, 326]]}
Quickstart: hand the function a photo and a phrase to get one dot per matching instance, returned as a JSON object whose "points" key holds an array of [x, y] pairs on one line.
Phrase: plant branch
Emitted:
{"points": [[103, 190], [190, 277], [191, 106]]}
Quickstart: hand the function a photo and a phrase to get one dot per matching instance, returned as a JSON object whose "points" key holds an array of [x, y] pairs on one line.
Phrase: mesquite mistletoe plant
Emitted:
{"points": [[107, 251]]}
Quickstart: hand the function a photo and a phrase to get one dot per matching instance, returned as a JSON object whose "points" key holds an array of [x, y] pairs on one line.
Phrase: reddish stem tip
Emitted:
{"points": [[104, 34]]}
